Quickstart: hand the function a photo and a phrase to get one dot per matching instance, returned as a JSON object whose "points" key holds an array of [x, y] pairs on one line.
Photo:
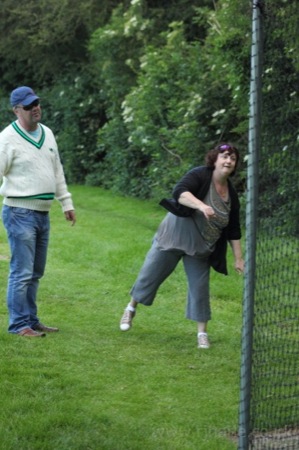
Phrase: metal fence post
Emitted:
{"points": [[251, 226]]}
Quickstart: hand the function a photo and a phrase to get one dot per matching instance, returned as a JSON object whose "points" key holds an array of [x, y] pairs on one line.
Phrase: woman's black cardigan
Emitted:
{"points": [[197, 181]]}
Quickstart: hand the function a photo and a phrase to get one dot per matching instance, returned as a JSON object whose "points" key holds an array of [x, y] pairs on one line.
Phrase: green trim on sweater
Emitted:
{"points": [[38, 144], [49, 196]]}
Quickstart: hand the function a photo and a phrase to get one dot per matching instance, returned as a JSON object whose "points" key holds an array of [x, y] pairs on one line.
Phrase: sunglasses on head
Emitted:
{"points": [[224, 147], [31, 106]]}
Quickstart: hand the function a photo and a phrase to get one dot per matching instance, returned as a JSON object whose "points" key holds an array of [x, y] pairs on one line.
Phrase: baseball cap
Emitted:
{"points": [[23, 95]]}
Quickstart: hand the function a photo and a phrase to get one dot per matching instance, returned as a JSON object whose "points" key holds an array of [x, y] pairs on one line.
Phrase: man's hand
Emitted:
{"points": [[70, 216]]}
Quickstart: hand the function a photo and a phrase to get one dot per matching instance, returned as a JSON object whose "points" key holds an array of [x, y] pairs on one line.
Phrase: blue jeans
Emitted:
{"points": [[28, 237]]}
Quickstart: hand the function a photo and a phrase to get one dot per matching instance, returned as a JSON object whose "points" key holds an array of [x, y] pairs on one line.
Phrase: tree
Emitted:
{"points": [[164, 99], [39, 40]]}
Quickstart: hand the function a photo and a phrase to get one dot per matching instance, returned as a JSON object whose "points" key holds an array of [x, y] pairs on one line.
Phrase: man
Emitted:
{"points": [[32, 176]]}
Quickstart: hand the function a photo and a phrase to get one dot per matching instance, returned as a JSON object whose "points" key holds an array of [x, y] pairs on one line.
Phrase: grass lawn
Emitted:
{"points": [[91, 386]]}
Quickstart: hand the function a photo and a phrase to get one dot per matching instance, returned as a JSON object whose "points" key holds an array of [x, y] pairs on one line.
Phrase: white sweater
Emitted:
{"points": [[31, 168]]}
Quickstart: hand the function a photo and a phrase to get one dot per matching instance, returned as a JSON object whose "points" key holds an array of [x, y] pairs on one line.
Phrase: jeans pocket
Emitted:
{"points": [[21, 212]]}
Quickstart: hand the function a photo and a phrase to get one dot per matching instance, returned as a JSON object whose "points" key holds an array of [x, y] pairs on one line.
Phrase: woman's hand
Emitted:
{"points": [[239, 266], [207, 211], [188, 199], [237, 252]]}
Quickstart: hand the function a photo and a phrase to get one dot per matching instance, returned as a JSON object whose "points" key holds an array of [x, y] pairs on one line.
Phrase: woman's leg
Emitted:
{"points": [[198, 302], [158, 265]]}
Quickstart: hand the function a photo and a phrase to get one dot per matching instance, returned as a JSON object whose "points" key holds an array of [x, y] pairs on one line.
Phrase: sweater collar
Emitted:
{"points": [[22, 132]]}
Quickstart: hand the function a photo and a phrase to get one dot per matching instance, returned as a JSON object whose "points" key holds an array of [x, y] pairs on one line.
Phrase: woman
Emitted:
{"points": [[204, 215]]}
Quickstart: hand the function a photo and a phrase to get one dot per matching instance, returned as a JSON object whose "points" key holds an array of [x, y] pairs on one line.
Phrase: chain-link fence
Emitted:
{"points": [[269, 407]]}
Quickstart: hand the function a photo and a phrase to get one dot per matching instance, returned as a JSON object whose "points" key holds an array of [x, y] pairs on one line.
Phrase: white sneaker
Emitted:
{"points": [[203, 341], [126, 320]]}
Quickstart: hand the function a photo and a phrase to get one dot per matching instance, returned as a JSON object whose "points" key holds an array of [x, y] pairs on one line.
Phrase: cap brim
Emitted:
{"points": [[30, 99]]}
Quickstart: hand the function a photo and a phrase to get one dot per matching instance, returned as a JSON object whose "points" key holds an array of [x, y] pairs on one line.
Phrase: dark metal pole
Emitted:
{"points": [[251, 227]]}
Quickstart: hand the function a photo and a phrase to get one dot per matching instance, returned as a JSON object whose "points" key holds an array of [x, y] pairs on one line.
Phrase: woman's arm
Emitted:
{"points": [[237, 252], [188, 199]]}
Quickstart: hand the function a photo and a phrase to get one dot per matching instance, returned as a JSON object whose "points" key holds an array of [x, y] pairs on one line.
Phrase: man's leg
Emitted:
{"points": [[42, 239], [21, 236]]}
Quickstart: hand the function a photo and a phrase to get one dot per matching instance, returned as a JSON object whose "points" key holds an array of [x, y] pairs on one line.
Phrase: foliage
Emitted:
{"points": [[161, 112], [40, 40], [116, 49], [73, 112], [227, 53], [156, 117], [6, 113], [279, 157], [163, 121]]}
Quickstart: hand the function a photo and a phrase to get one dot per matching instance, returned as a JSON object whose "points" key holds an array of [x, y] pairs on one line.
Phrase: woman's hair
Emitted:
{"points": [[212, 155]]}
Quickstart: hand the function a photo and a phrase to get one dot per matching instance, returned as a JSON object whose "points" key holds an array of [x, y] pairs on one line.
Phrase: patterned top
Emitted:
{"points": [[211, 229], [195, 235]]}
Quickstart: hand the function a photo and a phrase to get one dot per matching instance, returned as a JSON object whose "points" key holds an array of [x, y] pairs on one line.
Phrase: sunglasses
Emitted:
{"points": [[31, 106], [224, 147]]}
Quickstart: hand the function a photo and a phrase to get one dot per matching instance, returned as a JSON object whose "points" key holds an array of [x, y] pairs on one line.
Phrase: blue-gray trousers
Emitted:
{"points": [[159, 264]]}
